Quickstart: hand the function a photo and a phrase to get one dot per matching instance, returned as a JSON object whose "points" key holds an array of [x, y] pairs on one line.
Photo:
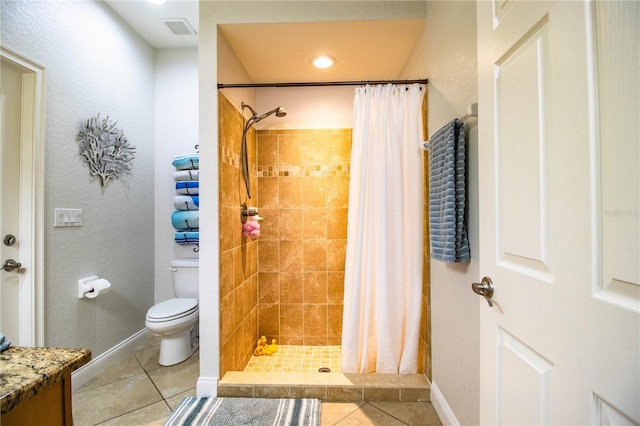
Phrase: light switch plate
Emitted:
{"points": [[67, 217]]}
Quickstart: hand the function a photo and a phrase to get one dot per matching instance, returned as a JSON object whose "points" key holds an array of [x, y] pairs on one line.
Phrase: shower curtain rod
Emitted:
{"points": [[320, 83]]}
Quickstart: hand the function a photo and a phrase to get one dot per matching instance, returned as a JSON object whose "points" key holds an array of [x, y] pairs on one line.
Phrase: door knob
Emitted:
{"points": [[10, 264], [485, 289]]}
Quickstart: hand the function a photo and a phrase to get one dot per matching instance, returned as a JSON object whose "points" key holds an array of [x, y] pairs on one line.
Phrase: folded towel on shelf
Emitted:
{"points": [[4, 343], [186, 220], [187, 187], [192, 237], [447, 194], [186, 161], [186, 202], [186, 175]]}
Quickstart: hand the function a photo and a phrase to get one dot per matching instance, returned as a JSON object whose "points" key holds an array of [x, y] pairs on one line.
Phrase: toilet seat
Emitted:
{"points": [[172, 309]]}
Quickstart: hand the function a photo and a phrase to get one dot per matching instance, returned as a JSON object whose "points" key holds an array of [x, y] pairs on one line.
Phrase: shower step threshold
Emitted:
{"points": [[337, 387]]}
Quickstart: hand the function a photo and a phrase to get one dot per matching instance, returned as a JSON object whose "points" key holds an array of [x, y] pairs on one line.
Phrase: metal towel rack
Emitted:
{"points": [[472, 111]]}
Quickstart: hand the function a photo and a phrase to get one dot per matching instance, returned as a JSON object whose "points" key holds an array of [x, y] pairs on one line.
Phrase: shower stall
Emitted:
{"points": [[288, 284]]}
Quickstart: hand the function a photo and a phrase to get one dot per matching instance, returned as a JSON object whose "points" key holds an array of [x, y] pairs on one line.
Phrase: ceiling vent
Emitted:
{"points": [[179, 26]]}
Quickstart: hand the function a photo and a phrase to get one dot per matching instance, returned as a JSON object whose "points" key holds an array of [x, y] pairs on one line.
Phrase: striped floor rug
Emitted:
{"points": [[246, 411]]}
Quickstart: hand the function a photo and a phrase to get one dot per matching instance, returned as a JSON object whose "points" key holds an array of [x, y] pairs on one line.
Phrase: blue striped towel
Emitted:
{"points": [[187, 237], [187, 187], [447, 194], [186, 202]]}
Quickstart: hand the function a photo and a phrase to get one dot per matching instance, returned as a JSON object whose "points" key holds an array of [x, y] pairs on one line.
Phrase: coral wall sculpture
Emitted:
{"points": [[105, 149]]}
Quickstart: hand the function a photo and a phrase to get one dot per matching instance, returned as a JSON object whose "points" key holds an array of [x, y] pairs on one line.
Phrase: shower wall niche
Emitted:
{"points": [[303, 191]]}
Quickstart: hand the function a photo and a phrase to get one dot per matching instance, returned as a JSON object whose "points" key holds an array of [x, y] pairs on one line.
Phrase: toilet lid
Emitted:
{"points": [[172, 308]]}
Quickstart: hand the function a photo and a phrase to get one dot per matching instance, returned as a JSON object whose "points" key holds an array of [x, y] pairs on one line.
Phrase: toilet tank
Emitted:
{"points": [[185, 277]]}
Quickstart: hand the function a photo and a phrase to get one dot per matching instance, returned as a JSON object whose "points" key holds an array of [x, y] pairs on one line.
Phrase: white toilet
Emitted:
{"points": [[176, 320]]}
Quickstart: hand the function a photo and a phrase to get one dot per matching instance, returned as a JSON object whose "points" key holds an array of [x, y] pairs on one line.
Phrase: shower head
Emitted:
{"points": [[279, 111]]}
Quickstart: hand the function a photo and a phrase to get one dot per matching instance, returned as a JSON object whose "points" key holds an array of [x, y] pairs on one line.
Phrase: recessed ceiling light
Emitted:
{"points": [[157, 1], [323, 61]]}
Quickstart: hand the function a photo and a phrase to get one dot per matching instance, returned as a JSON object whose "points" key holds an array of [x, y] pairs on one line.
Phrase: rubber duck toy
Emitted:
{"points": [[261, 347], [272, 348]]}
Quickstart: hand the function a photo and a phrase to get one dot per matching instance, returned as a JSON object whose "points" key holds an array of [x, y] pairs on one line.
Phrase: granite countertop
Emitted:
{"points": [[25, 371]]}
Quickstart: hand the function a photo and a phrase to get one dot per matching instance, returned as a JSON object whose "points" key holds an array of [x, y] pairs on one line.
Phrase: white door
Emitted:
{"points": [[21, 199], [10, 108], [559, 158]]}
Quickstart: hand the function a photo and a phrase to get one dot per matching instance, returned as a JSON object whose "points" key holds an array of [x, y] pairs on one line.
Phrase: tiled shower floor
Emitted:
{"points": [[292, 372], [297, 359]]}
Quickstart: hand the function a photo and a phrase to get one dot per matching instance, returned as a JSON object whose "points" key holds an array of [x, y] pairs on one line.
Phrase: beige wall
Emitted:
{"points": [[446, 54]]}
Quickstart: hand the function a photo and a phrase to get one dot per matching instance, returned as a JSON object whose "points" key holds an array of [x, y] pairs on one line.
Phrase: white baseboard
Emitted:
{"points": [[207, 387], [105, 360], [442, 407]]}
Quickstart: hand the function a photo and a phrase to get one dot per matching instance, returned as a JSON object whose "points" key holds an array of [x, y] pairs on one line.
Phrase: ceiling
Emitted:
{"points": [[365, 50]]}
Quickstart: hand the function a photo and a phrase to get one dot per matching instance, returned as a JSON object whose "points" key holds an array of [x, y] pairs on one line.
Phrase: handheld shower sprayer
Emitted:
{"points": [[279, 112]]}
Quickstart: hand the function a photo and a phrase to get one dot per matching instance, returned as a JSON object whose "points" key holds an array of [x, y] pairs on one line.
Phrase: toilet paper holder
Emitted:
{"points": [[91, 287]]}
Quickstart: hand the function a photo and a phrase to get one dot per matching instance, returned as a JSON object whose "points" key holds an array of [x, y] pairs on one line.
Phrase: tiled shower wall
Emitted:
{"points": [[238, 255], [300, 182], [303, 188]]}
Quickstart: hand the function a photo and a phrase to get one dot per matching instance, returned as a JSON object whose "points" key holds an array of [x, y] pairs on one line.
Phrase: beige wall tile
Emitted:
{"points": [[268, 256], [290, 149], [226, 273], [315, 255], [226, 318], [336, 254], [339, 148], [314, 191], [268, 287], [337, 223], [238, 267], [315, 287], [315, 320], [291, 255], [269, 320], [314, 223], [291, 319], [268, 150], [290, 192], [334, 320], [335, 287], [338, 191], [291, 287], [268, 193], [290, 224], [314, 148], [269, 225]]}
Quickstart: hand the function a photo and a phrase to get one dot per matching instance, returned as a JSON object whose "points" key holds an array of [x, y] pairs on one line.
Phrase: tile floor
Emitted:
{"points": [[138, 391], [297, 359]]}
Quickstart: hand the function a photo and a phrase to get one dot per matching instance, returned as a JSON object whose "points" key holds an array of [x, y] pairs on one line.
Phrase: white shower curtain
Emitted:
{"points": [[383, 271]]}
